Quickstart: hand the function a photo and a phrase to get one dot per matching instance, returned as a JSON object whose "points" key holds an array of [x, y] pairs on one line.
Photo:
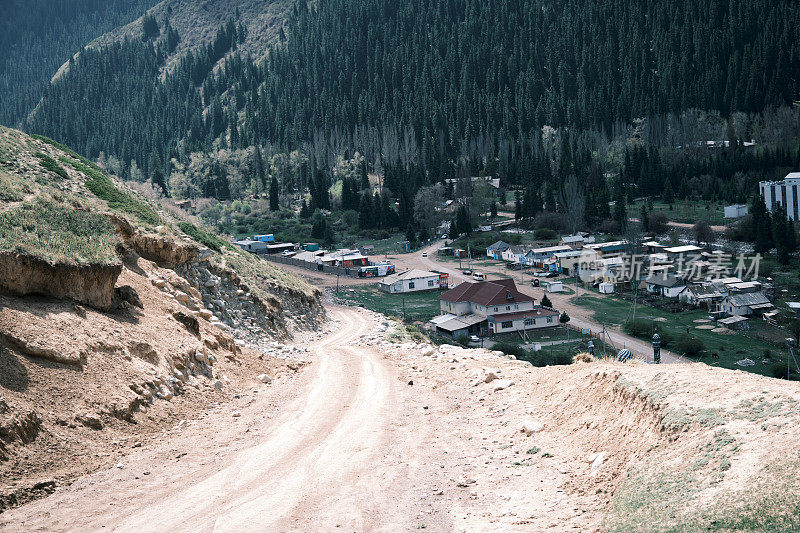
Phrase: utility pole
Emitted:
{"points": [[404, 308], [337, 283]]}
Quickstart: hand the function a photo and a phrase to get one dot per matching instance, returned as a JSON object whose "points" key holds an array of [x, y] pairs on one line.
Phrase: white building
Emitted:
{"points": [[666, 285], [410, 281], [735, 210], [784, 192], [514, 254]]}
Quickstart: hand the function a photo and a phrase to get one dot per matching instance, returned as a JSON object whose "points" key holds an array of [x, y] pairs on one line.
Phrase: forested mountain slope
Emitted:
{"points": [[196, 23], [36, 36], [529, 91]]}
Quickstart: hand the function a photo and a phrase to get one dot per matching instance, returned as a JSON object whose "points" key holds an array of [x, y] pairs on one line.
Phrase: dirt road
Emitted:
{"points": [[373, 435], [316, 452]]}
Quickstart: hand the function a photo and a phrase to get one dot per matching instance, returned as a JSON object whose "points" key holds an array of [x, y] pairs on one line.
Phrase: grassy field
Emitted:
{"points": [[731, 348], [686, 211], [51, 232], [421, 306]]}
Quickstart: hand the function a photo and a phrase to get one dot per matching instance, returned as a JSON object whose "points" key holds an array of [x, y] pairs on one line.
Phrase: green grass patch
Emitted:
{"points": [[52, 165], [668, 497], [101, 186], [613, 311], [204, 238], [55, 233], [686, 211], [421, 306], [66, 150]]}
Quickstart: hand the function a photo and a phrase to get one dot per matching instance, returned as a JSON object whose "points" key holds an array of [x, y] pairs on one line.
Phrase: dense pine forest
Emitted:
{"points": [[627, 98], [38, 36]]}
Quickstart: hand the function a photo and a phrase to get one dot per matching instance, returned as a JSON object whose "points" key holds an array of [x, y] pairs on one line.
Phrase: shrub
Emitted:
{"points": [[690, 346], [638, 328], [553, 221], [545, 358], [659, 222], [462, 339], [544, 234], [204, 238], [101, 186], [644, 329], [511, 348], [52, 165]]}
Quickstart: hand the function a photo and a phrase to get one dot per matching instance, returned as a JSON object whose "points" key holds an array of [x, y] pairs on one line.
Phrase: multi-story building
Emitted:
{"points": [[491, 306], [785, 193]]}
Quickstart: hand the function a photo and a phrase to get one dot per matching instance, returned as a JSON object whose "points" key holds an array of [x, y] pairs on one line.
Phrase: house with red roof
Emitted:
{"points": [[490, 307]]}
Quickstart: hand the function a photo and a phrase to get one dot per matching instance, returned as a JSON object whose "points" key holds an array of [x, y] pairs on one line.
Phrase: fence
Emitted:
{"points": [[317, 267]]}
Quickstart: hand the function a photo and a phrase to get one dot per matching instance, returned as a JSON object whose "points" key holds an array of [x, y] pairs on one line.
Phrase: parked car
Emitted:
{"points": [[467, 272], [479, 276], [424, 254], [475, 339], [551, 274]]}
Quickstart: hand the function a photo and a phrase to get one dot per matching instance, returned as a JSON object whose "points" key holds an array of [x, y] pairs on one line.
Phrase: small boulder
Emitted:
{"points": [[189, 322], [530, 427], [597, 460], [502, 384], [263, 378], [90, 421], [126, 293]]}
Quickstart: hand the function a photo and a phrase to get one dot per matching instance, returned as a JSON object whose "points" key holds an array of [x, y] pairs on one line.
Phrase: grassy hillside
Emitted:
{"points": [[54, 205]]}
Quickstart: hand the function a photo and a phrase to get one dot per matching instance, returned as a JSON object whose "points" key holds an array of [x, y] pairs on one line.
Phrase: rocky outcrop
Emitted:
{"points": [[163, 250], [23, 275], [16, 427]]}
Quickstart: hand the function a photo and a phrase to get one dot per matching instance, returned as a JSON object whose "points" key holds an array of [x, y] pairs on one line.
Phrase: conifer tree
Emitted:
{"points": [[274, 198]]}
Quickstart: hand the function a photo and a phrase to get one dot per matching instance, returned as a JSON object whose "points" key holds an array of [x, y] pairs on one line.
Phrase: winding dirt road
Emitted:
{"points": [[373, 435], [325, 450]]}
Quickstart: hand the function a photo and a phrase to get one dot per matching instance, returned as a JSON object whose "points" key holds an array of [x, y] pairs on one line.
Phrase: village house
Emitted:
{"points": [[653, 247], [683, 253], [575, 242], [704, 295], [567, 262], [537, 256], [745, 304], [495, 251], [666, 285], [608, 249], [412, 281], [602, 270], [490, 307], [251, 245], [735, 211], [514, 254], [344, 258]]}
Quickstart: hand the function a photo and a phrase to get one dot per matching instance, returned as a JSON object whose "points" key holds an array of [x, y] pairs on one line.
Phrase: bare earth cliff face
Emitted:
{"points": [[98, 355], [23, 275]]}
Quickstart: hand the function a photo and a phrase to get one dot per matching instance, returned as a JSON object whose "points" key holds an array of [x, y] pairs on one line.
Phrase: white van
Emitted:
{"points": [[479, 276]]}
